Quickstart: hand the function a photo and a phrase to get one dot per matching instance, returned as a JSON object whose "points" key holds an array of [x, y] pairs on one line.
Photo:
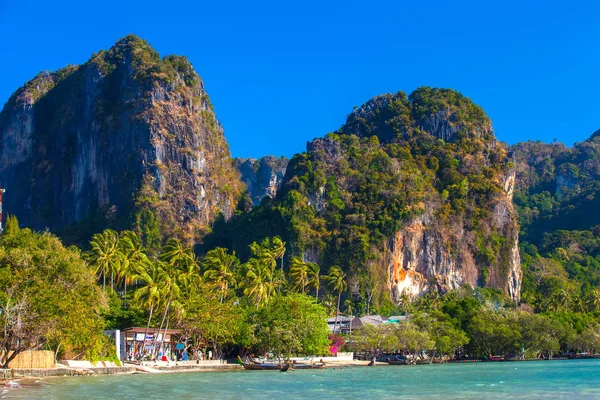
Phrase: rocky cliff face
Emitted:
{"points": [[262, 176], [425, 256], [125, 139], [431, 252], [412, 194]]}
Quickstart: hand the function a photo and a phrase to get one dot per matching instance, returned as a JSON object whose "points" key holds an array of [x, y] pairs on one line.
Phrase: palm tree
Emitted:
{"points": [[299, 271], [593, 300], [553, 302], [132, 257], [278, 251], [177, 268], [263, 252], [563, 297], [258, 282], [168, 284], [105, 254], [578, 304], [174, 253], [219, 269], [348, 304], [337, 283], [314, 278], [182, 262], [405, 303], [148, 296]]}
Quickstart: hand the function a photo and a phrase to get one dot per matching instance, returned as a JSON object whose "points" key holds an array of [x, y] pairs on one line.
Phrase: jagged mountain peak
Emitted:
{"points": [[127, 139], [443, 113]]}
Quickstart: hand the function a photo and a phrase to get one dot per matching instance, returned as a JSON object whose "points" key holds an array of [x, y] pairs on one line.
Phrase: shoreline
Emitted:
{"points": [[20, 377], [30, 378]]}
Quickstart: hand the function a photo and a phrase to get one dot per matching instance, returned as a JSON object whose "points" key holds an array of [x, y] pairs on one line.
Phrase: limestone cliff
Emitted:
{"points": [[426, 256], [126, 139], [262, 176], [433, 250], [412, 194]]}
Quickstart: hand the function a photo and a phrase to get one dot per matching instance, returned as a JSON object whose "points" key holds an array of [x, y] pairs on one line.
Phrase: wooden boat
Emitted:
{"points": [[421, 361], [309, 366], [397, 360], [262, 366]]}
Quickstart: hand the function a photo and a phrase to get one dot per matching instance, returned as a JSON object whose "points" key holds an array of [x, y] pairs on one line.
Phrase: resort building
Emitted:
{"points": [[135, 344]]}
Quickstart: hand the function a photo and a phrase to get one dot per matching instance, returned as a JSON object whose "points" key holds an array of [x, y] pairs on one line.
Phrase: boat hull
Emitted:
{"points": [[309, 366]]}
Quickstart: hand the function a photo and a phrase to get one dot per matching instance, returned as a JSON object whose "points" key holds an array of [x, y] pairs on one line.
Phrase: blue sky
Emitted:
{"points": [[281, 73]]}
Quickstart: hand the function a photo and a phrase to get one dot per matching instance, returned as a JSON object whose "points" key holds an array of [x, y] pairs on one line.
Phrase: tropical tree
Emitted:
{"points": [[494, 333], [48, 298], [539, 334], [299, 272], [149, 296], [264, 254], [588, 340], [562, 297], [412, 339], [219, 269], [178, 269], [336, 280], [349, 311], [278, 251], [258, 283], [105, 255], [593, 300], [132, 259], [292, 324], [375, 340], [314, 278], [578, 304]]}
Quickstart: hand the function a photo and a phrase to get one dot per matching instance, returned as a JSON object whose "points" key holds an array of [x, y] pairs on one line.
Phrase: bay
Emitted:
{"points": [[573, 379]]}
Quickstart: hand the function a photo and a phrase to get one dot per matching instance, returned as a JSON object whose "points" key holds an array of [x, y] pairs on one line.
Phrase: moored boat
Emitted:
{"points": [[422, 361], [397, 360], [262, 366], [309, 366]]}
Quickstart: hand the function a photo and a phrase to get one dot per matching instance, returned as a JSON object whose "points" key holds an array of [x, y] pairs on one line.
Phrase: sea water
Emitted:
{"points": [[573, 379]]}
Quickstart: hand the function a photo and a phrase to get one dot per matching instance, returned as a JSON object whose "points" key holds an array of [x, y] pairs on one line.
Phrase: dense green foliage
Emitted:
{"points": [[557, 198], [465, 324], [396, 158], [48, 297]]}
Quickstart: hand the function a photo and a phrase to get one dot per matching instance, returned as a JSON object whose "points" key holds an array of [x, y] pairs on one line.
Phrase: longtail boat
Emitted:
{"points": [[262, 366], [320, 365], [397, 360]]}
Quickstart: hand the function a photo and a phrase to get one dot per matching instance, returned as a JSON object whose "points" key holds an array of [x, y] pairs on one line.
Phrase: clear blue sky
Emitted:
{"points": [[281, 73]]}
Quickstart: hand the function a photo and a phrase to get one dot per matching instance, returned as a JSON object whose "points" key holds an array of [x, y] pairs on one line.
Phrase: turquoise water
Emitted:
{"points": [[576, 379]]}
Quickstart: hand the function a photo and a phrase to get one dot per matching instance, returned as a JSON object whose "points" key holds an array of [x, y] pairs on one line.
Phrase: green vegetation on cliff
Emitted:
{"points": [[395, 159], [557, 196], [125, 139]]}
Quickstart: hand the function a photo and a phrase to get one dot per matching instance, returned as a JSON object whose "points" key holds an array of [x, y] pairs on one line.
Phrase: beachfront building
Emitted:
{"points": [[136, 344], [342, 324]]}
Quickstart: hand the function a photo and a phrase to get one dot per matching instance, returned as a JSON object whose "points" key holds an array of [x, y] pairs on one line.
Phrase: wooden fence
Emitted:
{"points": [[34, 359]]}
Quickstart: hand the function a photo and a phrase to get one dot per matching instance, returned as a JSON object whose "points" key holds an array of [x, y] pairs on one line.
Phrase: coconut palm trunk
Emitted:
{"points": [[162, 323], [148, 327], [337, 312]]}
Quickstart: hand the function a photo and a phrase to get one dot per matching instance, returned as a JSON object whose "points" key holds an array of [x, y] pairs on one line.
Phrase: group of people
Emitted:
{"points": [[140, 352]]}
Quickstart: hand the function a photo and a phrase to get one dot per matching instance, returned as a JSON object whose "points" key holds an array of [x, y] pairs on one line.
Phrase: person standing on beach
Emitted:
{"points": [[210, 354]]}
